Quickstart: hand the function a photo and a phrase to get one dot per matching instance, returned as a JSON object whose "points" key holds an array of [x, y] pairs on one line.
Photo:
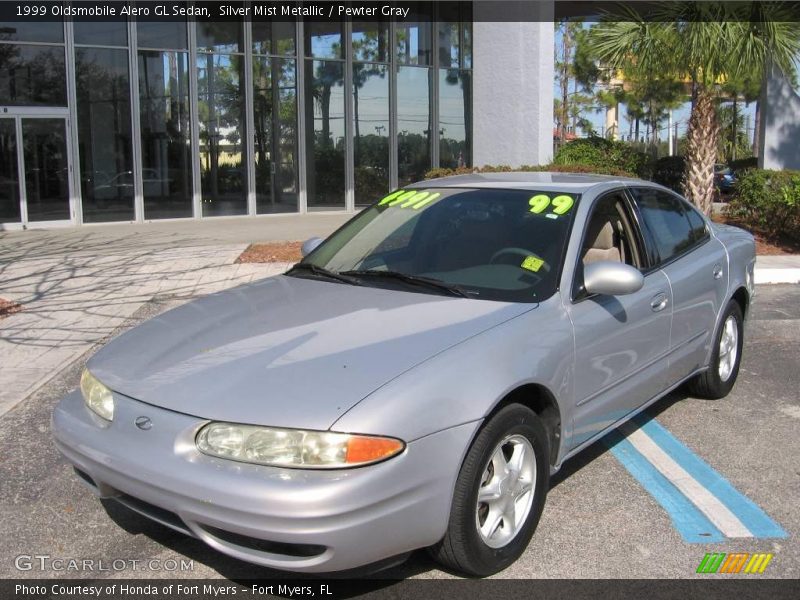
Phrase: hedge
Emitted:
{"points": [[600, 153], [553, 168], [767, 201]]}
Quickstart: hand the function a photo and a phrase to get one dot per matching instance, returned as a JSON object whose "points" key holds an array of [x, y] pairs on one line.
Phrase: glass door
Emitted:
{"points": [[34, 170]]}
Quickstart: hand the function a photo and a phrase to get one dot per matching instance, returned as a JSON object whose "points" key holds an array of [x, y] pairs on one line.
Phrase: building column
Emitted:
{"points": [[780, 124], [512, 85]]}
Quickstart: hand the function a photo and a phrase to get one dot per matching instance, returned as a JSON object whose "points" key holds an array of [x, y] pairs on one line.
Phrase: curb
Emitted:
{"points": [[772, 276]]}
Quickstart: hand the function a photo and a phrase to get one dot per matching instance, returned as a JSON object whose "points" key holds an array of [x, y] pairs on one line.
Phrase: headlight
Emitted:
{"points": [[294, 447], [97, 396]]}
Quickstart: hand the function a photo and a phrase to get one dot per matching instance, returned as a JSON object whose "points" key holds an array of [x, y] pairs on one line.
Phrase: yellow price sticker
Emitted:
{"points": [[532, 263]]}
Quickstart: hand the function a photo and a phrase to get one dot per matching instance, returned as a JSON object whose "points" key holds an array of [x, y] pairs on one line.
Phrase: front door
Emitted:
{"points": [[35, 167]]}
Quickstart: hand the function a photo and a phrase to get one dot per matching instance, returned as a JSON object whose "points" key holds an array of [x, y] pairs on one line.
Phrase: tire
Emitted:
{"points": [[471, 545], [718, 380]]}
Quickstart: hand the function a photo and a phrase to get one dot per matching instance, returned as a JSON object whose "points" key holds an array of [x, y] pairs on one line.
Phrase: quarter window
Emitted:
{"points": [[666, 219]]}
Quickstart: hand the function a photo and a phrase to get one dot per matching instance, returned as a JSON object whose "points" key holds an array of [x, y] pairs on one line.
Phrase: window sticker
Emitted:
{"points": [[532, 263], [559, 205], [415, 199]]}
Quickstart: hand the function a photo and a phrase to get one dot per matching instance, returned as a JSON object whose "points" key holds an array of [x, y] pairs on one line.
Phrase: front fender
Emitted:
{"points": [[464, 383]]}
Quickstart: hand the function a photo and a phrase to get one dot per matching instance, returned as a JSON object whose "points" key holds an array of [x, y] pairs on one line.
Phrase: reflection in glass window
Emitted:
{"points": [[371, 41], [219, 36], [323, 39], [324, 91], [104, 134], [46, 32], [273, 37], [414, 43], [9, 175], [166, 148], [162, 34], [32, 75], [44, 145], [101, 33], [221, 112], [455, 35], [371, 131], [275, 135], [413, 124], [455, 118]]}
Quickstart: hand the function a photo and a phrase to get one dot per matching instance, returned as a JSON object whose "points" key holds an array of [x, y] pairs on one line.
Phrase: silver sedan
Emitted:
{"points": [[417, 378]]}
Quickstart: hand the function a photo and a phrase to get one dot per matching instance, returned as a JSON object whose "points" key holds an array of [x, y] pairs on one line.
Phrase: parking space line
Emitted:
{"points": [[747, 511], [703, 506], [693, 526]]}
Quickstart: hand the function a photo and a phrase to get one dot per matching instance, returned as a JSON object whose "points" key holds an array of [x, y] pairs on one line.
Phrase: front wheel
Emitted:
{"points": [[726, 357], [499, 494]]}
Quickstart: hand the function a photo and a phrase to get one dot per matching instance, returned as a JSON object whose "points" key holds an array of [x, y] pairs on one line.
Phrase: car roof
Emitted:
{"points": [[530, 180]]}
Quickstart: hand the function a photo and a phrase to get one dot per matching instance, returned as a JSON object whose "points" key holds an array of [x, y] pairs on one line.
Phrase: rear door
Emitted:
{"points": [[621, 342], [695, 264]]}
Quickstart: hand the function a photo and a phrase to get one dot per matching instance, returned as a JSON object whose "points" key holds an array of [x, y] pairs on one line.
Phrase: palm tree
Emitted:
{"points": [[705, 44]]}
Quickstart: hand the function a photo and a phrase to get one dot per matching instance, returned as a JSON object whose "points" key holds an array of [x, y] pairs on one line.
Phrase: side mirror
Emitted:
{"points": [[310, 245], [611, 278]]}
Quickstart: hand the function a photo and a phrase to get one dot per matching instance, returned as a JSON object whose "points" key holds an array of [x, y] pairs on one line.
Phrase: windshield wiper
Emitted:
{"points": [[417, 280], [310, 269]]}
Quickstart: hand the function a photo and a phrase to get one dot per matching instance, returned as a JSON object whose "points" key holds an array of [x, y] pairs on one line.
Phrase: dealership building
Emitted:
{"points": [[126, 120]]}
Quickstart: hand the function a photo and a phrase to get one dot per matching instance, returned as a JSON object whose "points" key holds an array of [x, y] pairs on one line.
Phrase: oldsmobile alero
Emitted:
{"points": [[415, 380]]}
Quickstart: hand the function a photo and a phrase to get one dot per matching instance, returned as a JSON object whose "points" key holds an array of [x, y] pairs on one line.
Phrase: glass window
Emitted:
{"points": [[413, 124], [44, 143], [488, 243], [274, 37], [323, 39], [324, 91], [371, 131], [221, 112], [666, 221], [162, 34], [34, 30], [104, 134], [455, 118], [32, 75], [166, 137], [414, 41], [371, 41], [697, 223], [9, 174], [220, 36], [275, 135], [454, 35], [101, 33]]}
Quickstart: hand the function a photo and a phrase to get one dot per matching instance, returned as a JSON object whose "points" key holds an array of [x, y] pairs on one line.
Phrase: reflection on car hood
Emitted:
{"points": [[287, 351]]}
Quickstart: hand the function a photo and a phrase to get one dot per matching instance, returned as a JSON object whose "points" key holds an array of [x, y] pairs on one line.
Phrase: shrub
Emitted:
{"points": [[668, 171], [554, 168], [743, 164], [767, 201], [600, 153]]}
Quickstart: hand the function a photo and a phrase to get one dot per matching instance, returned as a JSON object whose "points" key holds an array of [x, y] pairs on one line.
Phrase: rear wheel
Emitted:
{"points": [[499, 494], [721, 375]]}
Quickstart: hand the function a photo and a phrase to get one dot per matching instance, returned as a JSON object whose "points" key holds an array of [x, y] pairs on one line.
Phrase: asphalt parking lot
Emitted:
{"points": [[599, 520]]}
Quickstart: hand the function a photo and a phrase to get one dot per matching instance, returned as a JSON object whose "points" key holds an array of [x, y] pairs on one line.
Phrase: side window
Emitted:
{"points": [[665, 218], [697, 223]]}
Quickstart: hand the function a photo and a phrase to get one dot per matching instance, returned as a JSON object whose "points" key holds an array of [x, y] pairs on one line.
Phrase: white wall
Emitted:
{"points": [[513, 86], [780, 125]]}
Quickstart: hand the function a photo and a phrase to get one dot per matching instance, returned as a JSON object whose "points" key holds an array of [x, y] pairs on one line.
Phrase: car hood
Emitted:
{"points": [[286, 351]]}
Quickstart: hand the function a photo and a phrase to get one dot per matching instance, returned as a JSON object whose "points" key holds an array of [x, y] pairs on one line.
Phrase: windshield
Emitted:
{"points": [[483, 243]]}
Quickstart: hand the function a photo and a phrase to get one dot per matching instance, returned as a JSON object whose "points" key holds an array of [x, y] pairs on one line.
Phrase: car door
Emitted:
{"points": [[695, 264], [621, 342]]}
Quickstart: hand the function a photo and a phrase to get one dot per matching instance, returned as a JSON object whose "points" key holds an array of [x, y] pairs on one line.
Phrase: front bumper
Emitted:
{"points": [[298, 520]]}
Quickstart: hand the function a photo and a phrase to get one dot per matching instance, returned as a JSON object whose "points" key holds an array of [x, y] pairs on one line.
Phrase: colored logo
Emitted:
{"points": [[738, 562]]}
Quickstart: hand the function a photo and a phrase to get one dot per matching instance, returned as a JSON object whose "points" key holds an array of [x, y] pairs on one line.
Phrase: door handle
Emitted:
{"points": [[659, 302], [717, 272]]}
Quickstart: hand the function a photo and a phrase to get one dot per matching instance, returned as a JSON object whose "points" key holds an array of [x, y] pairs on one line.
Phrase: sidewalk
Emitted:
{"points": [[78, 285]]}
